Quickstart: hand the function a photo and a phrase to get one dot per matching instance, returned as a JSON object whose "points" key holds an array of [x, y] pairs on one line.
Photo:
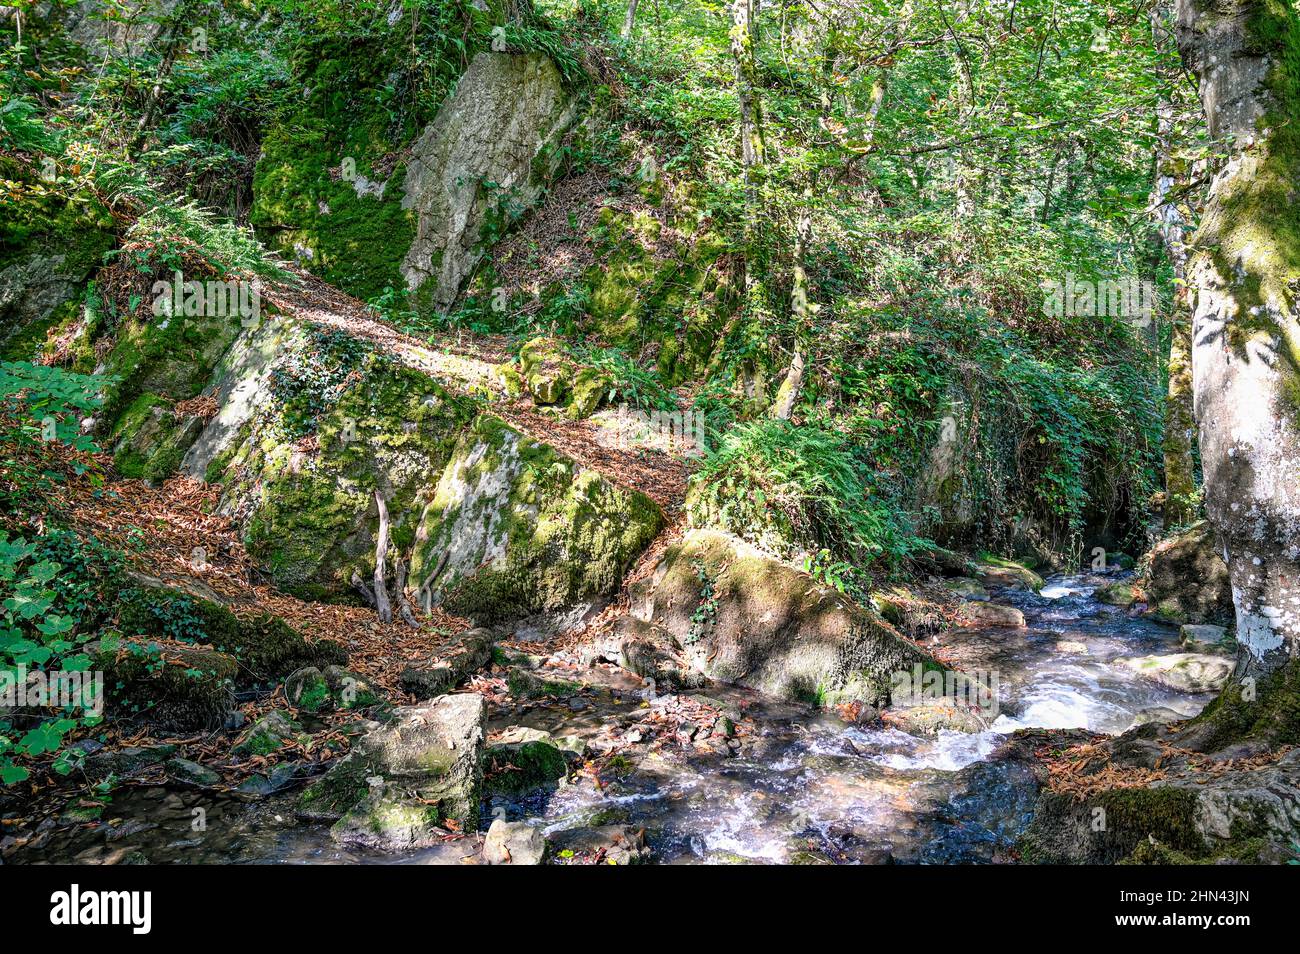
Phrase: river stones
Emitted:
{"points": [[994, 614], [604, 844], [930, 719], [652, 653], [191, 773], [403, 780], [1182, 672], [268, 734], [513, 843], [1008, 573], [967, 588], [521, 759], [1205, 638], [1122, 595]]}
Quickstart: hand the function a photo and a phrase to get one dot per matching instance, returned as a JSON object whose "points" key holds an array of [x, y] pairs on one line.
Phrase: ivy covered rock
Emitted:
{"points": [[743, 617], [182, 688], [516, 528], [1187, 579], [402, 780], [264, 646]]}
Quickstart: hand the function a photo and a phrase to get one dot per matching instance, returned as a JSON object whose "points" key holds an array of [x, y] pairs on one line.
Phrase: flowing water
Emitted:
{"points": [[799, 786]]}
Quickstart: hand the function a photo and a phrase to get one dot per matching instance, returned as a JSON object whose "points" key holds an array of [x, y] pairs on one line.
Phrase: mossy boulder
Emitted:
{"points": [[545, 370], [310, 514], [1001, 571], [659, 284], [181, 688], [553, 378], [50, 246], [265, 647], [267, 735], [1118, 594], [327, 186], [1247, 816], [516, 528], [166, 359], [150, 439], [402, 780], [307, 690], [1182, 672], [1187, 580], [522, 759], [742, 617]]}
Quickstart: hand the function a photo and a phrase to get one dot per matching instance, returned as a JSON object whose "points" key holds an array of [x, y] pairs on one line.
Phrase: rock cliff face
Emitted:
{"points": [[480, 162]]}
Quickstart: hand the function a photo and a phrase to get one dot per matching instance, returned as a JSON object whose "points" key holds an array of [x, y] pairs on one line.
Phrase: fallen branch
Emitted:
{"points": [[382, 605]]}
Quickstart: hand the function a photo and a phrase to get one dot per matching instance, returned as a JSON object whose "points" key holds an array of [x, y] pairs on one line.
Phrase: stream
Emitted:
{"points": [[800, 786]]}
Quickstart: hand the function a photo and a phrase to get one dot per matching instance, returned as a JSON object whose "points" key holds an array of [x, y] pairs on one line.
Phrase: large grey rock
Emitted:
{"points": [[1236, 815], [742, 617], [496, 128], [404, 779]]}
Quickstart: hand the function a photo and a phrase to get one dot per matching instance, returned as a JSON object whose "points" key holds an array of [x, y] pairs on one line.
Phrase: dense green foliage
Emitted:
{"points": [[928, 170]]}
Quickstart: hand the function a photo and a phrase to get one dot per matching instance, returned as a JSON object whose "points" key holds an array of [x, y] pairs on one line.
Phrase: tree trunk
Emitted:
{"points": [[629, 20], [787, 396], [1180, 423], [1244, 277], [743, 33]]}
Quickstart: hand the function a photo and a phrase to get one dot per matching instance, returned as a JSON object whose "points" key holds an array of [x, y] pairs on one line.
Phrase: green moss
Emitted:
{"points": [[173, 357], [364, 103], [333, 795], [311, 526], [184, 690], [517, 768], [565, 534], [1267, 710]]}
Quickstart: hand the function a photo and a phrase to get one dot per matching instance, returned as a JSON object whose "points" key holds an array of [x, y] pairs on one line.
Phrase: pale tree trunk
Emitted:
{"points": [[743, 40], [752, 153], [629, 20], [787, 396], [1180, 423], [1244, 275]]}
